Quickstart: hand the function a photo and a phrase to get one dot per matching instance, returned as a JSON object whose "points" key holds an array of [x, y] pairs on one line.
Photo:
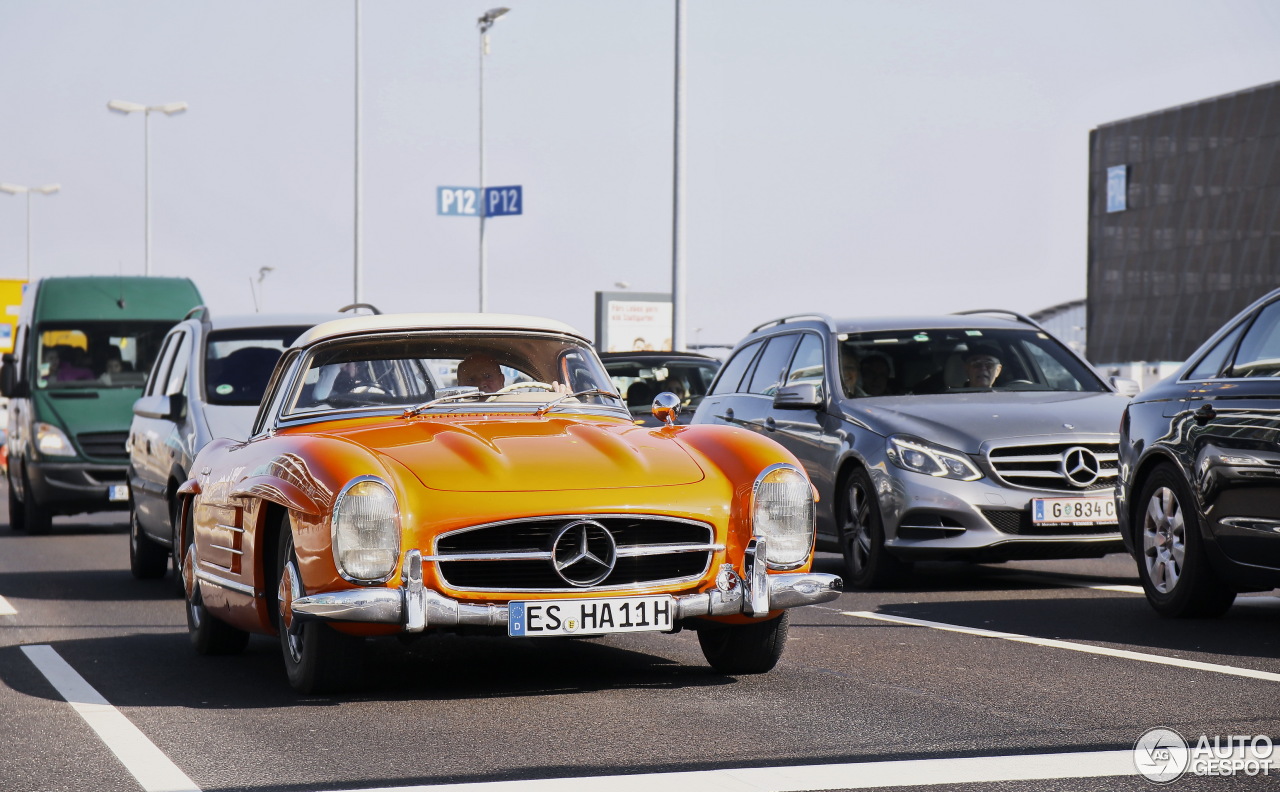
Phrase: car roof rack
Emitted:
{"points": [[358, 306], [1014, 314], [797, 318], [201, 311]]}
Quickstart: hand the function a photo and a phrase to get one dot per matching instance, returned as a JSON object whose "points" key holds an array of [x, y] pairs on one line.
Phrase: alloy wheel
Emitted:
{"points": [[1164, 538]]}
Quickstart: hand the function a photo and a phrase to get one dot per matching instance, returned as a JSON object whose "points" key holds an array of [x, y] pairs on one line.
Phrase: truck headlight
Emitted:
{"points": [[366, 531], [782, 513], [52, 441], [921, 456]]}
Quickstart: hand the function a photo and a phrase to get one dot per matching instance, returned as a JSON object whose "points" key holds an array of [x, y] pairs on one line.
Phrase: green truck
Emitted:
{"points": [[81, 355]]}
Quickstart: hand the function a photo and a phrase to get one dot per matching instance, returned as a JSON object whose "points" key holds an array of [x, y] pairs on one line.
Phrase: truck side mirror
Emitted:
{"points": [[11, 385]]}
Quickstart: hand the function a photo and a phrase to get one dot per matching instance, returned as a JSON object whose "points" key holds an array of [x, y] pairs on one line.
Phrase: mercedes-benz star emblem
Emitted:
{"points": [[1080, 466], [584, 553]]}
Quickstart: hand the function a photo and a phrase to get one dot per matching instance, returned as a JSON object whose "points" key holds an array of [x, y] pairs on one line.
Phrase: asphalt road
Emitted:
{"points": [[1062, 666]]}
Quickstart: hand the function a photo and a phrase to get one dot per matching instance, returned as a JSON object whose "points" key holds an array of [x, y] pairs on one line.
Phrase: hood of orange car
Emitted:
{"points": [[535, 454]]}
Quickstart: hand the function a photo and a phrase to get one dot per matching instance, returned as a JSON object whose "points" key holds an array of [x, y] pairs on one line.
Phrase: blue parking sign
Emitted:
{"points": [[463, 201], [499, 201]]}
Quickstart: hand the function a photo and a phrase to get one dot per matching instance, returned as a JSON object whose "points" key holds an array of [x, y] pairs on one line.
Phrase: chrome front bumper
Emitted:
{"points": [[415, 608]]}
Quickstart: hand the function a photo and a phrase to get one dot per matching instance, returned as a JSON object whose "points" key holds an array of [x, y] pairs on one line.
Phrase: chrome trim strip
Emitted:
{"points": [[232, 528], [570, 517], [632, 551], [228, 549], [221, 582], [641, 588]]}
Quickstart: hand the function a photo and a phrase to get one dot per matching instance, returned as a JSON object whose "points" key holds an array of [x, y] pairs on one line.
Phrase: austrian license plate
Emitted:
{"points": [[1073, 511], [118, 492], [537, 618]]}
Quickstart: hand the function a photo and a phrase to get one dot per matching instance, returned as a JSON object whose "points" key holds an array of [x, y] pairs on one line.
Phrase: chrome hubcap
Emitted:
{"points": [[1164, 537], [856, 534], [291, 629]]}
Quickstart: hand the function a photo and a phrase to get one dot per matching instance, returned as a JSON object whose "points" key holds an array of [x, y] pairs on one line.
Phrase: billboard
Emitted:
{"points": [[11, 300], [633, 321]]}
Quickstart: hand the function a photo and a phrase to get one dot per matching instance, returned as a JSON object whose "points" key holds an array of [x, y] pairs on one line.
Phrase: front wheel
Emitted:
{"points": [[37, 519], [868, 564], [744, 648], [147, 560], [17, 516], [317, 658], [209, 634], [1173, 566]]}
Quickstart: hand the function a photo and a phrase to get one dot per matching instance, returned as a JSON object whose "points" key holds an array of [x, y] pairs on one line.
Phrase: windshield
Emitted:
{"points": [[906, 362], [503, 371], [238, 363], [96, 354], [638, 381]]}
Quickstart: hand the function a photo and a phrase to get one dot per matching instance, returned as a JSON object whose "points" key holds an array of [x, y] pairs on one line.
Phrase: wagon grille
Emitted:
{"points": [[104, 445], [1067, 466], [517, 555], [1019, 523]]}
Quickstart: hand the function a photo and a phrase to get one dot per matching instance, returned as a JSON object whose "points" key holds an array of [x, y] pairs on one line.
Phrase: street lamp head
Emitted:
{"points": [[12, 189], [485, 22], [118, 106], [173, 108], [48, 189]]}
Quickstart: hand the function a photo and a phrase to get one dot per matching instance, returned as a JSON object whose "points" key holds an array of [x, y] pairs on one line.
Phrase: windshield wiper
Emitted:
{"points": [[450, 394], [542, 410]]}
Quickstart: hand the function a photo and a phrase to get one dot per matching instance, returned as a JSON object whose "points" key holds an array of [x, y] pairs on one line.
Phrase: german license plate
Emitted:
{"points": [[1073, 511], [538, 618], [118, 492]]}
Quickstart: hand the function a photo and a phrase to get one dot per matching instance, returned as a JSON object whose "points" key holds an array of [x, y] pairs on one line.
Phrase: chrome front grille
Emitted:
{"points": [[1061, 466], [518, 555]]}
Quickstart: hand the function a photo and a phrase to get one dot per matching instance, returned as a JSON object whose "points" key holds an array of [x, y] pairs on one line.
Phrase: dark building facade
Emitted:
{"points": [[1184, 223]]}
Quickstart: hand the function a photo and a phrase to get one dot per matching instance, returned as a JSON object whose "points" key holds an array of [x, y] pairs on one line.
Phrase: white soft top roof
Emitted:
{"points": [[409, 322]]}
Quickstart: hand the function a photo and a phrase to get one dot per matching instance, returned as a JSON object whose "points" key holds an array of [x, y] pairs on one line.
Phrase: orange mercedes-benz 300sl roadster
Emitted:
{"points": [[421, 472]]}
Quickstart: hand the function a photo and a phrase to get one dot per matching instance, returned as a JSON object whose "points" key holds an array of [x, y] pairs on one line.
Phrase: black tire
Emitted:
{"points": [[1175, 572], [744, 648], [17, 514], [177, 548], [868, 564], [209, 635], [317, 658], [147, 560], [37, 520]]}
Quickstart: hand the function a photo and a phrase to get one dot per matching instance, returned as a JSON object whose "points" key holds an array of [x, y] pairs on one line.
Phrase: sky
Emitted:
{"points": [[844, 157]]}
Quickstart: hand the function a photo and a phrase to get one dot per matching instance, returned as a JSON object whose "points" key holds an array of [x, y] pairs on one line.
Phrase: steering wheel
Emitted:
{"points": [[515, 386], [373, 389]]}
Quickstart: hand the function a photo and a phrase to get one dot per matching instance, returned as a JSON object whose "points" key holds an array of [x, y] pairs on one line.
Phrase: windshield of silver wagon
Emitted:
{"points": [[951, 360], [511, 372]]}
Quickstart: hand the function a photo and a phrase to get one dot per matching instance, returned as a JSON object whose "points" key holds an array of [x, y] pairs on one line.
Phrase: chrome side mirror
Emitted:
{"points": [[666, 406], [1125, 386]]}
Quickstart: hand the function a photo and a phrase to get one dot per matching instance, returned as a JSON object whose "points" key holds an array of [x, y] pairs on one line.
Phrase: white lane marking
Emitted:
{"points": [[140, 756], [1048, 579], [6, 609], [1074, 647], [802, 778]]}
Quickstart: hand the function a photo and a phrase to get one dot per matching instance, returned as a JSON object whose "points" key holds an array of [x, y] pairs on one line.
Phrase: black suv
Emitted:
{"points": [[1199, 500]]}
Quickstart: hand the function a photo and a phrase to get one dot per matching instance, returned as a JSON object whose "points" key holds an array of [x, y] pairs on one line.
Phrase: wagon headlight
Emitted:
{"points": [[920, 456], [52, 441], [782, 513], [366, 531]]}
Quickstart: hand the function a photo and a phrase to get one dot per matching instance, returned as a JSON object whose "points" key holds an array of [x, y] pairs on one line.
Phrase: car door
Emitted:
{"points": [[750, 406], [148, 435], [804, 430], [1229, 424]]}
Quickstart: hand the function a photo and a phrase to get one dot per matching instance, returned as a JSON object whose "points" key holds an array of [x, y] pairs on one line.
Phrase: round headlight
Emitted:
{"points": [[782, 513], [366, 531]]}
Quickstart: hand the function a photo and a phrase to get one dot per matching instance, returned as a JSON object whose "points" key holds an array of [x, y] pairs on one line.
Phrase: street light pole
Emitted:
{"points": [[358, 276], [678, 193], [125, 108], [15, 189], [485, 22]]}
